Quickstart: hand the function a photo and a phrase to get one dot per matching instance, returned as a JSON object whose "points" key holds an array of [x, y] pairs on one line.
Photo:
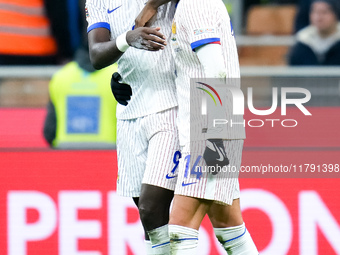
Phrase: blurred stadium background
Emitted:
{"points": [[63, 202]]}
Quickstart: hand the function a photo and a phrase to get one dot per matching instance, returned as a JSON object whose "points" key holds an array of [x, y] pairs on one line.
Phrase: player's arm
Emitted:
{"points": [[211, 57], [149, 10], [201, 24], [104, 51]]}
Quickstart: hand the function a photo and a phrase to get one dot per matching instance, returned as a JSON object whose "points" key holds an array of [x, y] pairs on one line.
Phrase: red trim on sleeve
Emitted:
{"points": [[218, 42]]}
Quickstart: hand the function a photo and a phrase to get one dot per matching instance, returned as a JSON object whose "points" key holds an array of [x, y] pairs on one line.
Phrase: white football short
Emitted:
{"points": [[146, 148], [196, 180]]}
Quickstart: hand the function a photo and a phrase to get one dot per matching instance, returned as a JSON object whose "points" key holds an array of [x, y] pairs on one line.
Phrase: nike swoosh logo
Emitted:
{"points": [[219, 153], [170, 177], [110, 11], [187, 184]]}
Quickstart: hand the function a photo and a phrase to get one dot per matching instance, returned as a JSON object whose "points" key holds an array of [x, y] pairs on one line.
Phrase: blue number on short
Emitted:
{"points": [[187, 159], [193, 169], [197, 170], [176, 158]]}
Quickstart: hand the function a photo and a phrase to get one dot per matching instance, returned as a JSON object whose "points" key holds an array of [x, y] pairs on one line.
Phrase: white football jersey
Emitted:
{"points": [[150, 74], [196, 23]]}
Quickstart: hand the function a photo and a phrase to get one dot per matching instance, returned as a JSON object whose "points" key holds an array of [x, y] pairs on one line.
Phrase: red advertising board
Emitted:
{"points": [[64, 203]]}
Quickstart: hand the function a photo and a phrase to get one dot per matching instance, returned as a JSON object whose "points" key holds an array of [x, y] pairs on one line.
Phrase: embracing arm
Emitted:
{"points": [[148, 12], [104, 52], [157, 3]]}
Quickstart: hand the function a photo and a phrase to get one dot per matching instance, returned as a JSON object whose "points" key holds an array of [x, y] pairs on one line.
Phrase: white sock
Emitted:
{"points": [[236, 240], [160, 240], [148, 247], [183, 240]]}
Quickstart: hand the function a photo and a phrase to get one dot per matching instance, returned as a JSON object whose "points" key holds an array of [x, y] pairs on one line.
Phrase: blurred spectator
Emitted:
{"points": [[25, 33], [68, 25], [81, 113], [319, 43], [302, 17]]}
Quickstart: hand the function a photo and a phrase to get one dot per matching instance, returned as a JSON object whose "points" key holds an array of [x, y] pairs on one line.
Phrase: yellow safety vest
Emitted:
{"points": [[85, 107]]}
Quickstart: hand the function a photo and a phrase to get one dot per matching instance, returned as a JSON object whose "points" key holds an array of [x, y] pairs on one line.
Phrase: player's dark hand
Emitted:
{"points": [[145, 17], [215, 155], [148, 14], [121, 91], [146, 38]]}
